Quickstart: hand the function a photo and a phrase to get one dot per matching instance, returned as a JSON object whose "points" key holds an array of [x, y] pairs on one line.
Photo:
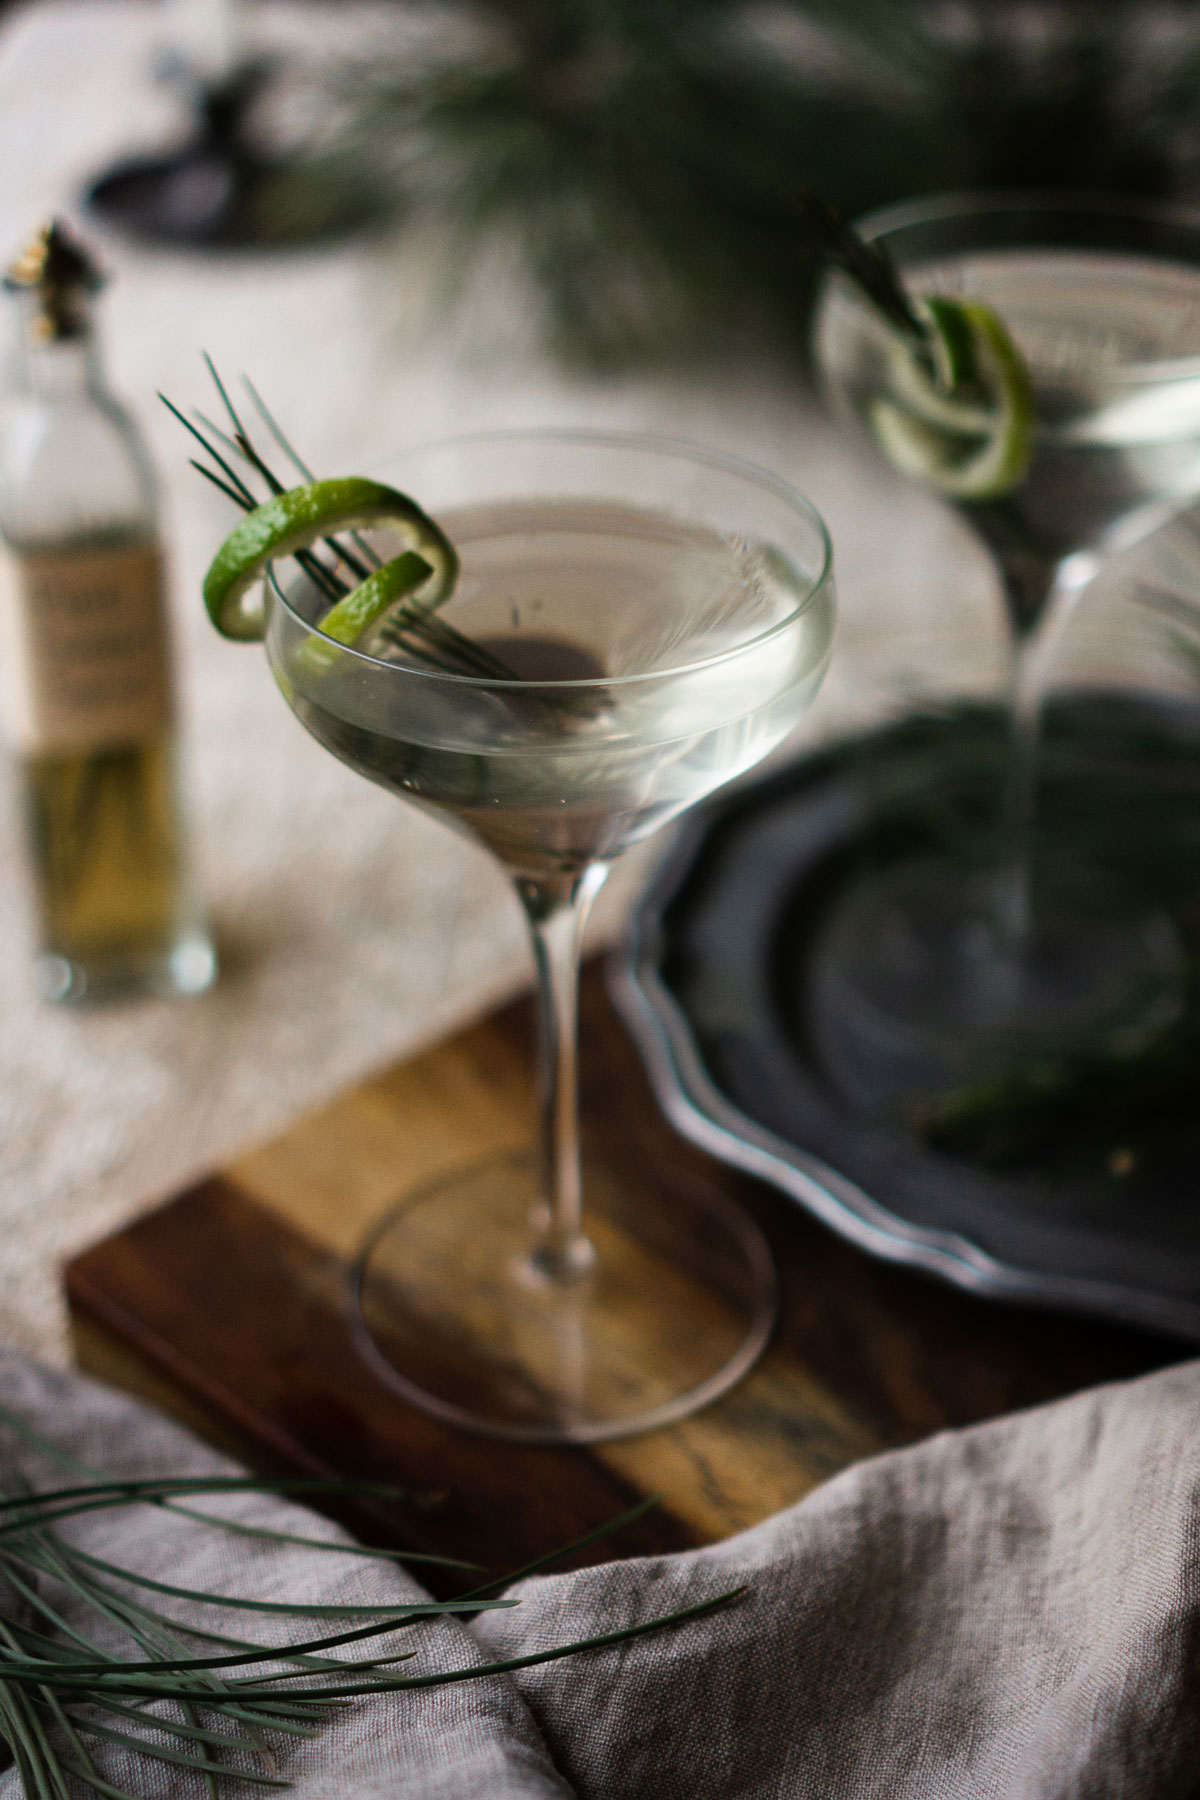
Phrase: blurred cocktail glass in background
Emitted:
{"points": [[1097, 443]]}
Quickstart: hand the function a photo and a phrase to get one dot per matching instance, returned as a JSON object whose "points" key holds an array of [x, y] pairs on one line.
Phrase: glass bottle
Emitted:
{"points": [[84, 657]]}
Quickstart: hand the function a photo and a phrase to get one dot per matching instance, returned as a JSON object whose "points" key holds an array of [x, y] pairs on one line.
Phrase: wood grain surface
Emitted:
{"points": [[227, 1307]]}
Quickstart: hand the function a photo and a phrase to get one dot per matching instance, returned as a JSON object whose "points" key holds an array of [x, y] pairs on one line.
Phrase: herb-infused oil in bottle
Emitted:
{"points": [[84, 657]]}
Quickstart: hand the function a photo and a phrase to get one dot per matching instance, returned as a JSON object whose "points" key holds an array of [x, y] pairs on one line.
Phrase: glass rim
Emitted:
{"points": [[927, 209], [679, 449], [980, 203]]}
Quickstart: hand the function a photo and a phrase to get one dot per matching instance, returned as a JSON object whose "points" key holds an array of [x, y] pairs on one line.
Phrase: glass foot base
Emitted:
{"points": [[188, 967], [913, 994], [452, 1310]]}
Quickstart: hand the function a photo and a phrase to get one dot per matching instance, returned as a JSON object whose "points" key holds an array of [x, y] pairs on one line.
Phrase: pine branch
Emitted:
{"points": [[60, 1693]]}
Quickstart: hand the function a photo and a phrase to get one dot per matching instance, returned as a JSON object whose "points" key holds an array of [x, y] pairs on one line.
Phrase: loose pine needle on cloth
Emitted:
{"points": [[88, 1645]]}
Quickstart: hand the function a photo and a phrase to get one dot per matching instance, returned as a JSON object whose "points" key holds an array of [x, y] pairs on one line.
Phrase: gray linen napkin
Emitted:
{"points": [[1009, 1611]]}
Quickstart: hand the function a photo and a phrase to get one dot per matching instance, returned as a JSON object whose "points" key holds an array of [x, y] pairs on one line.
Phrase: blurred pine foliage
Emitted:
{"points": [[642, 157]]}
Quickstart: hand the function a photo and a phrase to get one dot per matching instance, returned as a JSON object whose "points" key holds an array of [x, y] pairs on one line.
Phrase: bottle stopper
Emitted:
{"points": [[60, 275]]}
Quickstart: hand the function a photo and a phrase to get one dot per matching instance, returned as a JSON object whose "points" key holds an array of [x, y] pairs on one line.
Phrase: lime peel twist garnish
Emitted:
{"points": [[300, 517], [346, 622], [964, 421]]}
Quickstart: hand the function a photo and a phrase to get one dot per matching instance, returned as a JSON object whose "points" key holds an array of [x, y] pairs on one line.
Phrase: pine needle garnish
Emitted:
{"points": [[64, 1688], [238, 468], [868, 265]]}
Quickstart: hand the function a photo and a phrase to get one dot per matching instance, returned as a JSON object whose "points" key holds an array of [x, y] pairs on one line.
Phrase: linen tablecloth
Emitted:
{"points": [[1010, 1612]]}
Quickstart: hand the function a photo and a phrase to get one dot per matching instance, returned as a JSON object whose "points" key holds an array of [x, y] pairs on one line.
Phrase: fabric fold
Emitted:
{"points": [[1008, 1612]]}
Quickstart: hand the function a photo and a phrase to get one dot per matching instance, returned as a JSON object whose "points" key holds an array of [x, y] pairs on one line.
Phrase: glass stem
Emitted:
{"points": [[1014, 896], [1031, 647], [557, 911]]}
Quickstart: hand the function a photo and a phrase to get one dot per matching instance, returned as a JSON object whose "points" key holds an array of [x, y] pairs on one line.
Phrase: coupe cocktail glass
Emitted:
{"points": [[946, 972], [669, 616]]}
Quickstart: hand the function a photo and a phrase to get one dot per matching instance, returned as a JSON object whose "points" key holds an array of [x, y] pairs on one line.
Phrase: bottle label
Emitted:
{"points": [[83, 648]]}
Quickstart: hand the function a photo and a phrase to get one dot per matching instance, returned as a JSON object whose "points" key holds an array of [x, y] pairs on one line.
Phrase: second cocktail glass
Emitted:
{"points": [[668, 616], [937, 977]]}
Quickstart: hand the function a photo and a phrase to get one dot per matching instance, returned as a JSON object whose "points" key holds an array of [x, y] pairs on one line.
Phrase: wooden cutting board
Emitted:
{"points": [[227, 1307]]}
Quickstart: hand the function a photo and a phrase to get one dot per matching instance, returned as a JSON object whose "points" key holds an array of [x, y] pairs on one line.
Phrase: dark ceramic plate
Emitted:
{"points": [[1081, 1190]]}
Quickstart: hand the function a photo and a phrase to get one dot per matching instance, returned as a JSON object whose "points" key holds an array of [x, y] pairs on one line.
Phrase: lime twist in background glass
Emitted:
{"points": [[956, 409], [960, 414]]}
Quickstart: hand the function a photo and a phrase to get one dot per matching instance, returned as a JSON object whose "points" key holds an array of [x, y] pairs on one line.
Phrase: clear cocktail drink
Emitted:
{"points": [[662, 618], [1111, 343], [604, 738]]}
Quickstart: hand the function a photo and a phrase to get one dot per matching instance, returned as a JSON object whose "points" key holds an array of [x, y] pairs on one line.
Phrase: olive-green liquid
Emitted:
{"points": [[106, 851]]}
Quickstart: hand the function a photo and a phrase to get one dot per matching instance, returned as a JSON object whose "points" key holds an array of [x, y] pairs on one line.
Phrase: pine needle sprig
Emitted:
{"points": [[867, 264], [413, 628], [64, 1688]]}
